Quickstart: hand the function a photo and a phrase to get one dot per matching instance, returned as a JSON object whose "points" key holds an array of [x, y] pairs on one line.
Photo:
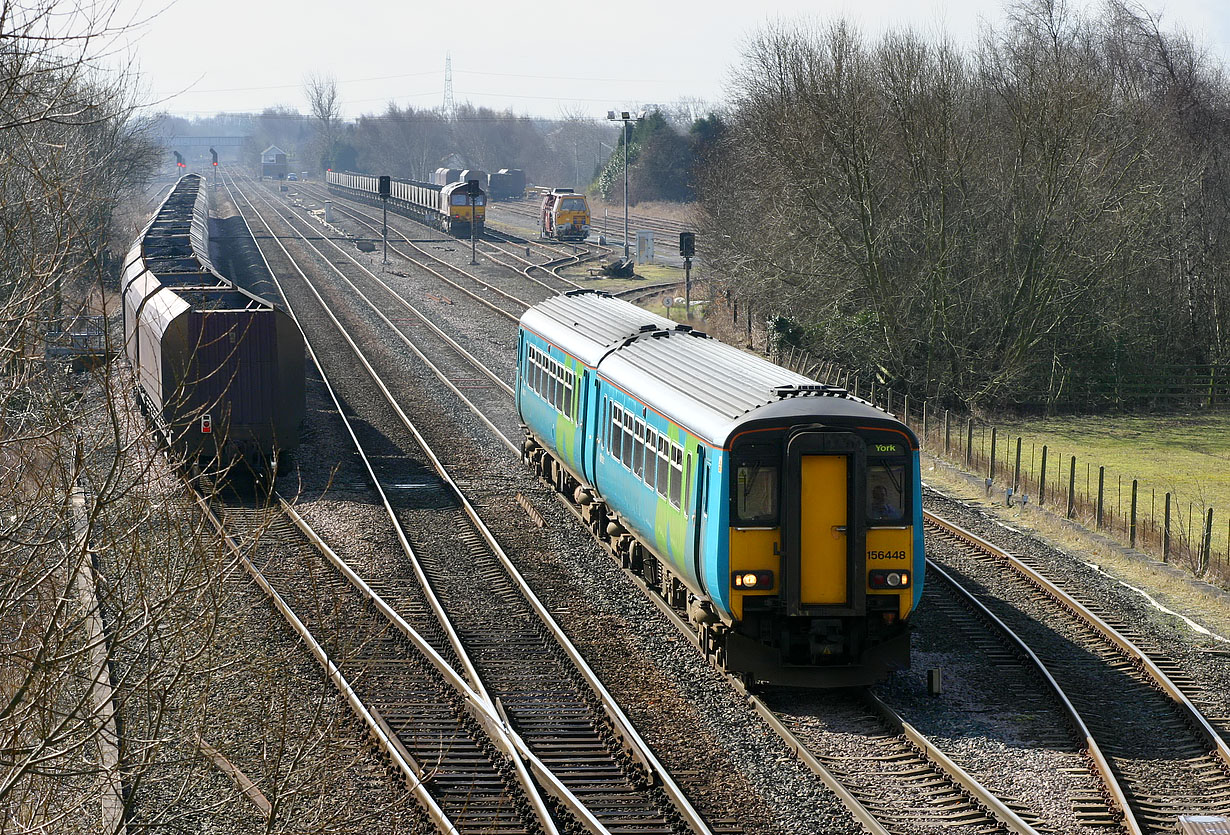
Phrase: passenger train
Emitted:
{"points": [[446, 207], [783, 516]]}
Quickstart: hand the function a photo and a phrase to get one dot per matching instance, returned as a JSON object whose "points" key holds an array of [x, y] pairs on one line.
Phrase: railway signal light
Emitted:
{"points": [[179, 159], [386, 185], [687, 244], [214, 154]]}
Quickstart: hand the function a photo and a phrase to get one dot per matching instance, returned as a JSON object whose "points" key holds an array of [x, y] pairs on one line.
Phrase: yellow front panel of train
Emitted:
{"points": [[892, 549], [824, 519]]}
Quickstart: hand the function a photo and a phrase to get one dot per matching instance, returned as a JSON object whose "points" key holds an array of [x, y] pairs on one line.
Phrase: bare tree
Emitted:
{"points": [[978, 226], [326, 106]]}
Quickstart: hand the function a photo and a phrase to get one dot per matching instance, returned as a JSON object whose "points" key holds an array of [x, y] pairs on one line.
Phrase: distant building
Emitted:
{"points": [[273, 163]]}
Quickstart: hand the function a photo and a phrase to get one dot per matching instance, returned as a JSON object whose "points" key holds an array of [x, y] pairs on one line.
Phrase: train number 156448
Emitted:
{"points": [[886, 555]]}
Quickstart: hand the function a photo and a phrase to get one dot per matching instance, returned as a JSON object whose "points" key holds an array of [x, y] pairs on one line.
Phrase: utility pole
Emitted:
{"points": [[625, 117]]}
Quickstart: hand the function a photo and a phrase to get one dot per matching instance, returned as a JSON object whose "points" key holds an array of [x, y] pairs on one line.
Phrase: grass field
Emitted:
{"points": [[1186, 455]]}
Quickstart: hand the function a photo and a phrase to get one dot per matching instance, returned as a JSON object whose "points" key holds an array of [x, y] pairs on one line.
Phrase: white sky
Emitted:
{"points": [[546, 58]]}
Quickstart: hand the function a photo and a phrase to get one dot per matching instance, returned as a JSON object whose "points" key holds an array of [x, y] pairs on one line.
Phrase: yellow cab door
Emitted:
{"points": [[824, 564], [824, 535]]}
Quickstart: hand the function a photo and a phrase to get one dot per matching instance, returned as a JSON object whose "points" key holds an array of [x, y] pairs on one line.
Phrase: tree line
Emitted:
{"points": [[1026, 222], [574, 151]]}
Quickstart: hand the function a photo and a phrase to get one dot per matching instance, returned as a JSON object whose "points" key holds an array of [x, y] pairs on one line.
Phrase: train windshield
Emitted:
{"points": [[886, 491], [572, 204], [756, 487], [460, 198]]}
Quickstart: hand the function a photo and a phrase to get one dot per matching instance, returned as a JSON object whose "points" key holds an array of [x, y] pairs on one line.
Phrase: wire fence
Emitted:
{"points": [[1180, 530]]}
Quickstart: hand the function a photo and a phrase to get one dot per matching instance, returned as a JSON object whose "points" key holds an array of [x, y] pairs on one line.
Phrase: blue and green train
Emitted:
{"points": [[782, 515]]}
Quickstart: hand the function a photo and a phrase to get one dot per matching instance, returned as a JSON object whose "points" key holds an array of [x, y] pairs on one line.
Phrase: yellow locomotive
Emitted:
{"points": [[563, 215]]}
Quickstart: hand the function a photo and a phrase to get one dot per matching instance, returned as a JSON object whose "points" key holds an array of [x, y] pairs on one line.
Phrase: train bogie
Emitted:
{"points": [[784, 516]]}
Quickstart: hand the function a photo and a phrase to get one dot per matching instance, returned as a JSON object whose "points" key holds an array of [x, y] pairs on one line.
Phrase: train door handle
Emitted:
{"points": [[839, 529]]}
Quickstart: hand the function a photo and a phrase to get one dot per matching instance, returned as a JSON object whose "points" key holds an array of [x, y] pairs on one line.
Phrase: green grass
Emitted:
{"points": [[1187, 455]]}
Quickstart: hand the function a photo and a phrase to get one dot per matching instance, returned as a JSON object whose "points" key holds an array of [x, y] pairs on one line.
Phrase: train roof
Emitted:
{"points": [[714, 389], [589, 324], [711, 388]]}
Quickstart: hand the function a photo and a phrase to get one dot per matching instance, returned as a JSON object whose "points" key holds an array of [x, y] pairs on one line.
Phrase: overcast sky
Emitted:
{"points": [[547, 58]]}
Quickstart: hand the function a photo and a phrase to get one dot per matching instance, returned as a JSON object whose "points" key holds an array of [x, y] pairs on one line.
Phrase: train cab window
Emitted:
{"points": [[886, 491], [572, 205], [755, 488]]}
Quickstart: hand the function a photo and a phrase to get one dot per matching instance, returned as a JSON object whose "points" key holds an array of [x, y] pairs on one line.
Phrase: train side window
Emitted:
{"points": [[616, 430], [687, 483], [638, 449], [886, 497], [626, 452], [651, 457], [676, 484], [755, 488], [663, 454]]}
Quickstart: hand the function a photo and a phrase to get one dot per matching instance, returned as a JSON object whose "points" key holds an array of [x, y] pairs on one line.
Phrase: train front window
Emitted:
{"points": [[755, 490], [572, 205], [886, 491]]}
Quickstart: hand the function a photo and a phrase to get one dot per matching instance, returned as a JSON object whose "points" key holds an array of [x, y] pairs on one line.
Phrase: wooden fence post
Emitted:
{"points": [[1207, 547], [969, 442], [924, 421], [991, 470], [888, 398], [1101, 484], [947, 433], [905, 411], [1132, 529], [1042, 479], [1072, 488], [1166, 532], [1016, 473]]}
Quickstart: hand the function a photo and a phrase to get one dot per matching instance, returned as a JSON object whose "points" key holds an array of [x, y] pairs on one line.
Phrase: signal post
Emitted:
{"points": [[386, 188], [687, 248]]}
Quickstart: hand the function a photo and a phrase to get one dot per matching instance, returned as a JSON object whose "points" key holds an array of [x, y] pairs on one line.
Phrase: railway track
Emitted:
{"points": [[1158, 755], [1144, 806], [551, 281], [520, 664], [521, 296], [941, 795], [664, 227]]}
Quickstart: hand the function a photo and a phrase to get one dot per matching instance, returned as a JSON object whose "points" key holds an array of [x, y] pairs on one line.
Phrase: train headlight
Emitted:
{"points": [[748, 580], [881, 579]]}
